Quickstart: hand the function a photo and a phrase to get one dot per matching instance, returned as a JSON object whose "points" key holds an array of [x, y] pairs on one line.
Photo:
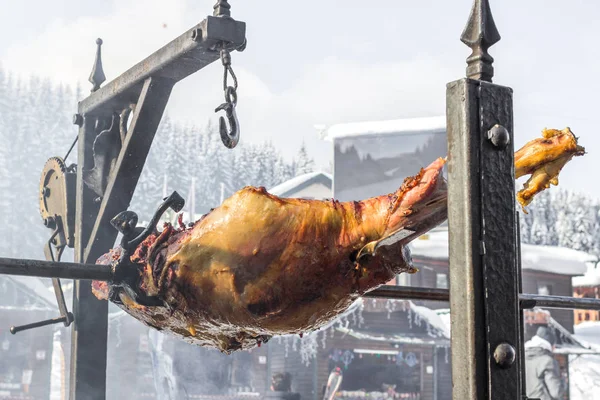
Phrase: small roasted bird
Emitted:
{"points": [[543, 159], [260, 265]]}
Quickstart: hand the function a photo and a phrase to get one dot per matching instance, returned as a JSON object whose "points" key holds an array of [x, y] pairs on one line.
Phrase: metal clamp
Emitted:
{"points": [[125, 274]]}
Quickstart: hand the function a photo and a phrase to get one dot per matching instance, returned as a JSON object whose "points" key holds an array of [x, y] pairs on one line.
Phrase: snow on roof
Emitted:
{"points": [[433, 318], [444, 316], [591, 277], [568, 340], [555, 260], [399, 338], [390, 127], [421, 314], [301, 180]]}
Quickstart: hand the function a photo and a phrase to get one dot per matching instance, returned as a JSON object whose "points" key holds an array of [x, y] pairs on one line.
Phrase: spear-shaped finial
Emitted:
{"points": [[97, 75], [480, 34], [222, 9]]}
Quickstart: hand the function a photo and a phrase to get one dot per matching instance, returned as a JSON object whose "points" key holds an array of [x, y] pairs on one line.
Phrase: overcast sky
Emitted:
{"points": [[322, 62]]}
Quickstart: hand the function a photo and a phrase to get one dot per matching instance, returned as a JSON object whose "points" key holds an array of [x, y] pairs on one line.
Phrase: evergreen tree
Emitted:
{"points": [[304, 164]]}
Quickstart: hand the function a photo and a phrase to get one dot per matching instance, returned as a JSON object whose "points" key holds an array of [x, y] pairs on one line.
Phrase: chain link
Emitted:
{"points": [[229, 135], [230, 91]]}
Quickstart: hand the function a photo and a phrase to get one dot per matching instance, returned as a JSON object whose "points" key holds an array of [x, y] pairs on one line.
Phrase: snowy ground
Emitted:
{"points": [[584, 370], [584, 373]]}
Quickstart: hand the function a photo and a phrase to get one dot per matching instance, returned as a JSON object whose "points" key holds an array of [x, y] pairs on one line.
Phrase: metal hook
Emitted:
{"points": [[229, 136]]}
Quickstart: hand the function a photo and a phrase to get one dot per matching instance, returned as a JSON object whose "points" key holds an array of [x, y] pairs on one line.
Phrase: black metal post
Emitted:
{"points": [[87, 378], [481, 215]]}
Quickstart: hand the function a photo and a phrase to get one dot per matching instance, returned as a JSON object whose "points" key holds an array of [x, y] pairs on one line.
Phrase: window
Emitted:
{"points": [[441, 281], [544, 289]]}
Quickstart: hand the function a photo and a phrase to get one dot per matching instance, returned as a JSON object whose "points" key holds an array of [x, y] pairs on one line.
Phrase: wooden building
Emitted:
{"points": [[546, 270], [587, 286], [381, 346]]}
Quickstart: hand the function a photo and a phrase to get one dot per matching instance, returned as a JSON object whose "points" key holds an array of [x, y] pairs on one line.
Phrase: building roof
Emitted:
{"points": [[569, 343], [399, 338], [555, 260], [381, 128], [436, 332], [590, 279], [300, 182]]}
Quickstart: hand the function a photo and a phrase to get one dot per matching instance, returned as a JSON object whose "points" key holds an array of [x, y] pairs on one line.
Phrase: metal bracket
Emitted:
{"points": [[126, 276], [106, 148]]}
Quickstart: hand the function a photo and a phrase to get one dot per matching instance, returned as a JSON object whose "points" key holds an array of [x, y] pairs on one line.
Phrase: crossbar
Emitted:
{"points": [[188, 53]]}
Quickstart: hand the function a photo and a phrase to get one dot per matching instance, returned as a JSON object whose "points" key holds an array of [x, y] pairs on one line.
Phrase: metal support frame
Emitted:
{"points": [[144, 89]]}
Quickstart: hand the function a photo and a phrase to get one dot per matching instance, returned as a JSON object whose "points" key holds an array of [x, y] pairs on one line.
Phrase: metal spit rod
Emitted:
{"points": [[97, 272], [49, 269], [527, 300]]}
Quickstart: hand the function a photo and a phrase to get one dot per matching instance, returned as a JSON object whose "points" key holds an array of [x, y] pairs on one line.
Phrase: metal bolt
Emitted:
{"points": [[50, 222], [499, 136], [45, 191], [197, 34], [505, 355], [77, 120]]}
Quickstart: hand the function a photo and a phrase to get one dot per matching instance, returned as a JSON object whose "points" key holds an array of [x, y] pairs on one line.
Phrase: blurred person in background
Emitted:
{"points": [[281, 388], [543, 380]]}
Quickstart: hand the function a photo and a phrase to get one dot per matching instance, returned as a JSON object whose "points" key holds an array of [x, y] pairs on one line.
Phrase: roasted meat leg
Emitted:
{"points": [[260, 265]]}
